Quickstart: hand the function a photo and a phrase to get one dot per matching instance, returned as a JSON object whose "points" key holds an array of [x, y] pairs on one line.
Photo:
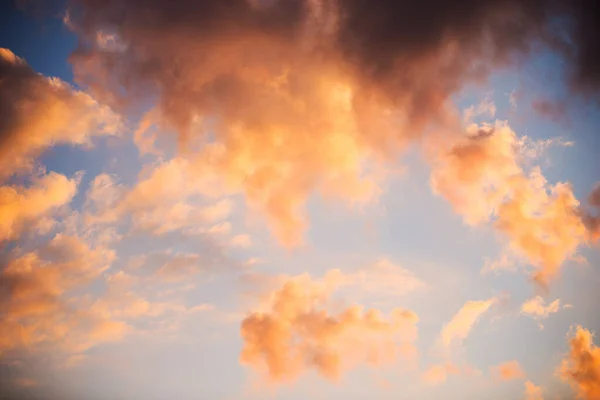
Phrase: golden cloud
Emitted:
{"points": [[508, 371], [22, 206], [533, 392], [462, 322], [297, 333], [537, 308], [437, 374], [37, 305], [581, 367], [39, 112], [482, 177]]}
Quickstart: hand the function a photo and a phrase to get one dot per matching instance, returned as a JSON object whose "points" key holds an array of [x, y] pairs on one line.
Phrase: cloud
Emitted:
{"points": [[485, 107], [179, 267], [166, 198], [37, 303], [381, 281], [21, 206], [541, 222], [242, 241], [507, 371], [533, 392], [320, 83], [297, 333], [38, 112], [462, 322], [581, 366], [536, 308], [437, 374], [133, 298]]}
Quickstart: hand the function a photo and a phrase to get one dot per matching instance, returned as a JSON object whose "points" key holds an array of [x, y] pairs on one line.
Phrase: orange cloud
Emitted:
{"points": [[533, 392], [438, 374], [165, 199], [541, 222], [22, 206], [39, 112], [296, 333], [508, 371], [581, 367], [537, 308], [37, 304], [463, 321]]}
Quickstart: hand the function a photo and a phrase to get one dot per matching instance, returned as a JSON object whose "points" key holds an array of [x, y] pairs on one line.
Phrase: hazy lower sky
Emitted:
{"points": [[303, 199]]}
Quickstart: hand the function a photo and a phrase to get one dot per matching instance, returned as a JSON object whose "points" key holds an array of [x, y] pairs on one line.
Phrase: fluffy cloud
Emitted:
{"points": [[297, 333], [508, 371], [22, 206], [542, 222], [462, 322], [581, 367], [533, 392], [38, 112]]}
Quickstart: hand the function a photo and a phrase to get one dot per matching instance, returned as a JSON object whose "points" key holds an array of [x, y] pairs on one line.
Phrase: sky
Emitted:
{"points": [[299, 199]]}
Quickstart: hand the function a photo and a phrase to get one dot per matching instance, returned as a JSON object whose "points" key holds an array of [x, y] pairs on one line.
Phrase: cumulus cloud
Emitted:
{"points": [[297, 333], [507, 371], [462, 322], [37, 112], [22, 206], [581, 366], [533, 392], [482, 176]]}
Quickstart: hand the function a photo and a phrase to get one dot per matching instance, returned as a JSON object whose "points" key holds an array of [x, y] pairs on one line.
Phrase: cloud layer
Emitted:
{"points": [[346, 78]]}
